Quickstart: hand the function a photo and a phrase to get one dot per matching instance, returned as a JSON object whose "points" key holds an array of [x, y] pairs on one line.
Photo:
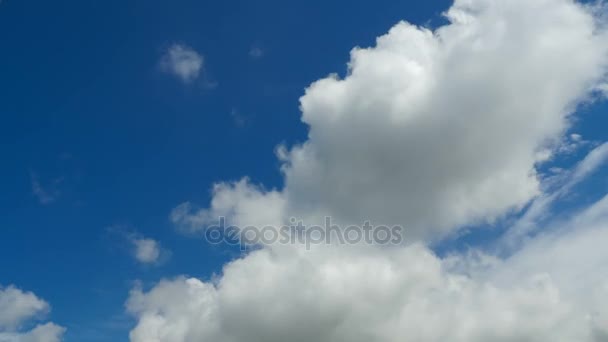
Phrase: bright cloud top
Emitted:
{"points": [[436, 130], [183, 62], [16, 309], [433, 130]]}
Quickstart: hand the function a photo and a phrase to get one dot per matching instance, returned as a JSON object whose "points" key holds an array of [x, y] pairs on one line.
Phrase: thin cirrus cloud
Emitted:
{"points": [[183, 62], [434, 130], [256, 52], [46, 194], [604, 89], [18, 308]]}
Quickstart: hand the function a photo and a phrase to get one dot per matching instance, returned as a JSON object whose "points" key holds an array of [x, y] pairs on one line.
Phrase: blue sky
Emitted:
{"points": [[100, 143], [84, 101]]}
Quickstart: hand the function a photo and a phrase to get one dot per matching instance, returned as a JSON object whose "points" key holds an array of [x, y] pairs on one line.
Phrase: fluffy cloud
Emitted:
{"points": [[183, 62], [146, 250], [437, 130], [433, 130], [242, 202], [401, 294], [17, 308]]}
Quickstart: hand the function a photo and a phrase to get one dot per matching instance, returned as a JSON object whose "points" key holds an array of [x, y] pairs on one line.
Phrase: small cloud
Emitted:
{"points": [[183, 62], [256, 52], [46, 194], [147, 251]]}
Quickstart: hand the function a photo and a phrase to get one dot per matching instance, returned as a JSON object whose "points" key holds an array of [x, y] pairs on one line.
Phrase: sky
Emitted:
{"points": [[129, 127]]}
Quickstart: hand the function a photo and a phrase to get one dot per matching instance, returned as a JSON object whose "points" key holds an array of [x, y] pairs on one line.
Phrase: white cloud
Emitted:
{"points": [[434, 130], [437, 130], [571, 144], [243, 203], [16, 309], [402, 294], [558, 187], [182, 61], [555, 288], [147, 251], [48, 332], [17, 306]]}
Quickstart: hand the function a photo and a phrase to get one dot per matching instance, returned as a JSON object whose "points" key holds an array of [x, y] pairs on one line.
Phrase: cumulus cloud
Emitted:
{"points": [[356, 293], [16, 309], [436, 131], [183, 62], [17, 306], [242, 202], [439, 129]]}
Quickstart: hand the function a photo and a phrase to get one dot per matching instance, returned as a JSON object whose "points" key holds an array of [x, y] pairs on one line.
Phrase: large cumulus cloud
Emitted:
{"points": [[435, 130]]}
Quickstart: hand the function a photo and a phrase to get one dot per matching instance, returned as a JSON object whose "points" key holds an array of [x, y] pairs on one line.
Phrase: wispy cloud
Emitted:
{"points": [[256, 52], [239, 119], [604, 89], [540, 207], [46, 194]]}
